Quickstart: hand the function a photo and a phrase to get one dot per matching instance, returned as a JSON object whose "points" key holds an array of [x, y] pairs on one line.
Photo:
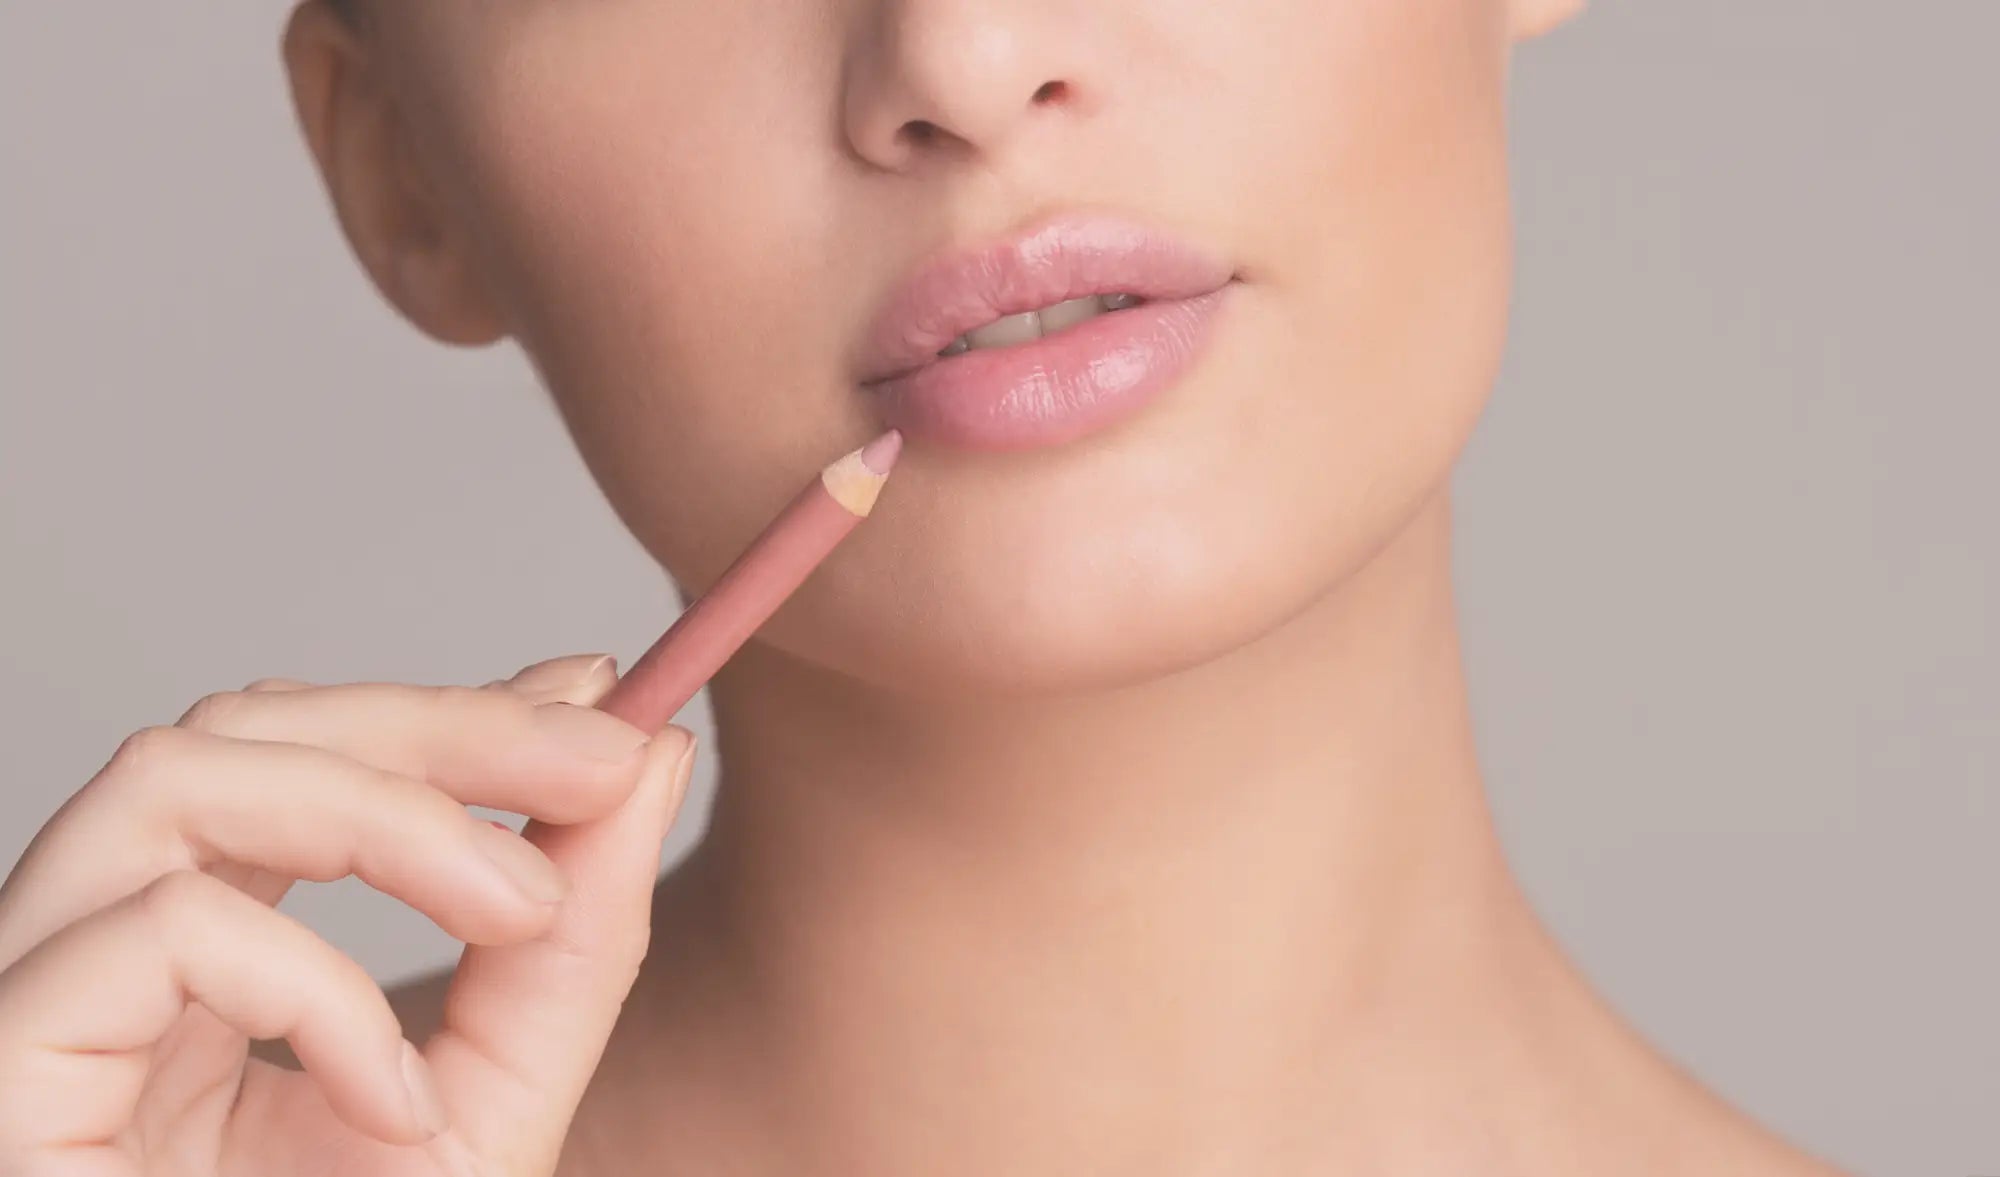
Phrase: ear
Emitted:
{"points": [[400, 232], [1532, 18]]}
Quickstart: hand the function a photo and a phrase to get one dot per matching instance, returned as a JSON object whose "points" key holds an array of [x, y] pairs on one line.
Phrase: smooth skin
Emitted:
{"points": [[1110, 809], [142, 954]]}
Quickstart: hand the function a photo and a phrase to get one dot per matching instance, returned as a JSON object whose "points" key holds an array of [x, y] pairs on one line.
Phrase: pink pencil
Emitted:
{"points": [[704, 637]]}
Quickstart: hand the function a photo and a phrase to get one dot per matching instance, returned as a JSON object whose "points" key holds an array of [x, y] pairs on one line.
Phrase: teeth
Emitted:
{"points": [[1067, 314], [1015, 329], [1008, 331]]}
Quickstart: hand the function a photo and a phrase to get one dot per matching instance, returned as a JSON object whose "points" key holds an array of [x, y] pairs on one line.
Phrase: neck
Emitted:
{"points": [[1195, 908]]}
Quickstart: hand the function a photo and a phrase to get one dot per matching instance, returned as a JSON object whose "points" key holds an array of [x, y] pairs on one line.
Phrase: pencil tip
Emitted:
{"points": [[879, 455]]}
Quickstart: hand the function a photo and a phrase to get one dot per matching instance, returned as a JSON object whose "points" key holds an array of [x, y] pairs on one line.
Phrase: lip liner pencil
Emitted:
{"points": [[711, 629]]}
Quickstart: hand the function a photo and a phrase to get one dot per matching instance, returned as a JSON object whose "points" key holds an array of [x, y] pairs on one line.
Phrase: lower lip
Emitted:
{"points": [[1056, 388]]}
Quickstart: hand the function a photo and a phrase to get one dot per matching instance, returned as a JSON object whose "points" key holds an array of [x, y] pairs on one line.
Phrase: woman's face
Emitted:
{"points": [[689, 213]]}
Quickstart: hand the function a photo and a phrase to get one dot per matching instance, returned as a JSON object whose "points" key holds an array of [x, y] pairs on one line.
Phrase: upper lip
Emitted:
{"points": [[1052, 260]]}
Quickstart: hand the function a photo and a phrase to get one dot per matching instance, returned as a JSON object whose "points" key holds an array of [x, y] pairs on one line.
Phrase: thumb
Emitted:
{"points": [[524, 1025]]}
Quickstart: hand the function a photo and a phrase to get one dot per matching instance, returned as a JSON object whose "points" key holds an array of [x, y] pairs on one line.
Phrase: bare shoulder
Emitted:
{"points": [[419, 1005]]}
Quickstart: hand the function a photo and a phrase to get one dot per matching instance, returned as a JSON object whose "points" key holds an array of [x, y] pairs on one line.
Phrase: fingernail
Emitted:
{"points": [[425, 1105], [677, 782], [560, 675], [684, 771], [589, 732], [527, 869]]}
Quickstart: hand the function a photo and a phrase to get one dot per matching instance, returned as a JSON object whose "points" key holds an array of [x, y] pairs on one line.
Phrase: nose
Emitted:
{"points": [[931, 77]]}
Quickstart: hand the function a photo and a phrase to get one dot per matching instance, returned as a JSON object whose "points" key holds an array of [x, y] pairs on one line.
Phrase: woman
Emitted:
{"points": [[1107, 804]]}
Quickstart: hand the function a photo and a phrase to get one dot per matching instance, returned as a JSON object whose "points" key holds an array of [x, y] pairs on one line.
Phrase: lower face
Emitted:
{"points": [[672, 213]]}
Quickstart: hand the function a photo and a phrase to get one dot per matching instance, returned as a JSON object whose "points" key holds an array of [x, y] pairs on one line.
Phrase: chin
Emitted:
{"points": [[1000, 637], [1032, 594]]}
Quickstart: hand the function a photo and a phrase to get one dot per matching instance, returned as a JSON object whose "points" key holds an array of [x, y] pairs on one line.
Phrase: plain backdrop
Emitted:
{"points": [[1728, 553]]}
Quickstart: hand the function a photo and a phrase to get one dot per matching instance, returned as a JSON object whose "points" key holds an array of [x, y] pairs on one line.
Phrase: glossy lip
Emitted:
{"points": [[1056, 387]]}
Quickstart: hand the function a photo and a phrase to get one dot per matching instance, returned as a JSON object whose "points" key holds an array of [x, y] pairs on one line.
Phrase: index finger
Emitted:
{"points": [[559, 762]]}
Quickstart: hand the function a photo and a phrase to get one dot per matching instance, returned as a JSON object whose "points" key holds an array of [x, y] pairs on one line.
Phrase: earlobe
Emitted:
{"points": [[397, 229], [1532, 18]]}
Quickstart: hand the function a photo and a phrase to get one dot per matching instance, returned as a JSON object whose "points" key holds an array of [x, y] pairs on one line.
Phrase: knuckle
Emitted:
{"points": [[215, 712], [457, 702], [621, 957], [460, 695], [140, 752], [617, 957], [392, 806], [272, 684], [170, 898]]}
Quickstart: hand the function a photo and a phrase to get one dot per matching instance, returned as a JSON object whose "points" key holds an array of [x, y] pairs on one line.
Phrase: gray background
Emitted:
{"points": [[1727, 550]]}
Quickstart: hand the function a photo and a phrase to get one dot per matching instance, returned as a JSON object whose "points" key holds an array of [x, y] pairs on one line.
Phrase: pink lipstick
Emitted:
{"points": [[1043, 336]]}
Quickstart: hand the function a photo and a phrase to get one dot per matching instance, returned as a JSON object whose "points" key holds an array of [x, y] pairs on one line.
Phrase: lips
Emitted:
{"points": [[1064, 383]]}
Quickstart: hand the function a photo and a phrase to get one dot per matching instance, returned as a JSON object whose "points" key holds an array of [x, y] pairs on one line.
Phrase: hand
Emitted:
{"points": [[140, 952]]}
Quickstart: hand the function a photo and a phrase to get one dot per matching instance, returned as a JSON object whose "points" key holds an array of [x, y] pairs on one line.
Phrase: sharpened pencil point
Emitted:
{"points": [[879, 455]]}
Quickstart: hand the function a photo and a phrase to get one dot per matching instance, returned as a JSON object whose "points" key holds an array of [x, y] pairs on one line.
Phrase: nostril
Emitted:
{"points": [[1050, 92], [920, 131]]}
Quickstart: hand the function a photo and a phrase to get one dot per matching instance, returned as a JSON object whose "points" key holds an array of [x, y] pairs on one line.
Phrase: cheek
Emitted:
{"points": [[639, 197], [1363, 154], [1386, 254]]}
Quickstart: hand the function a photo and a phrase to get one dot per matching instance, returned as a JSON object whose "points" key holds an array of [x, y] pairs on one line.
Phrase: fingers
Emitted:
{"points": [[80, 1013], [192, 800], [524, 1025], [122, 911], [556, 761], [574, 678], [285, 780], [581, 679]]}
